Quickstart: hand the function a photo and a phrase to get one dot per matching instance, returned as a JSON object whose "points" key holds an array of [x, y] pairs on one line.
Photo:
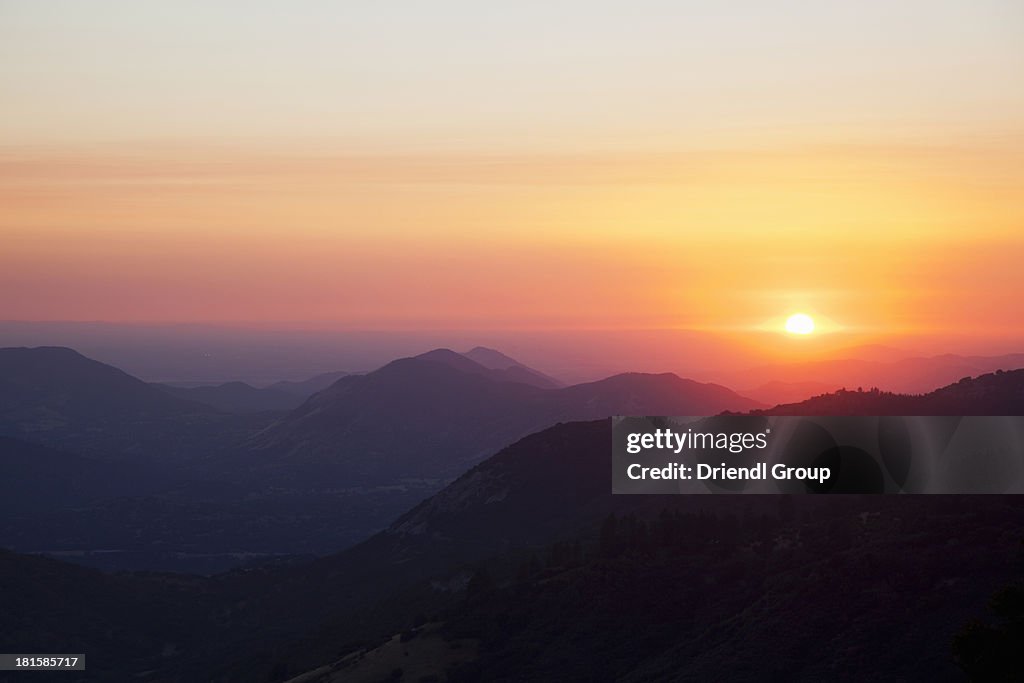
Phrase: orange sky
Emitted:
{"points": [[897, 237], [881, 195]]}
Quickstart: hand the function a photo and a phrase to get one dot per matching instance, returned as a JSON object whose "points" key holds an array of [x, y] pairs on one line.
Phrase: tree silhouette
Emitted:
{"points": [[994, 651]]}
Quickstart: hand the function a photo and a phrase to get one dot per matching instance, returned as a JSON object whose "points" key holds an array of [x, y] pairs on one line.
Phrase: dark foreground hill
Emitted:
{"points": [[521, 565], [841, 594]]}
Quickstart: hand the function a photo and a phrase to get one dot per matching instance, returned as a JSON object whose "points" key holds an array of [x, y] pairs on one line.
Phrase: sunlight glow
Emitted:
{"points": [[799, 323]]}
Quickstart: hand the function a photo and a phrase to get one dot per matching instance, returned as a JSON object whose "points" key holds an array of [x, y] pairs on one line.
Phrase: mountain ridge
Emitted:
{"points": [[988, 394], [496, 360], [236, 397], [910, 374], [58, 397], [457, 412]]}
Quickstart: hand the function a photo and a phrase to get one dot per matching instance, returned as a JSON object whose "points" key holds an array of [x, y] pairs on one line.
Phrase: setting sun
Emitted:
{"points": [[799, 323]]}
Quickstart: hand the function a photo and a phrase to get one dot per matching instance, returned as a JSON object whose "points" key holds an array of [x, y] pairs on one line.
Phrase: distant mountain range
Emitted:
{"points": [[236, 397], [334, 470], [349, 459], [308, 387], [239, 397], [56, 396], [433, 415], [60, 385]]}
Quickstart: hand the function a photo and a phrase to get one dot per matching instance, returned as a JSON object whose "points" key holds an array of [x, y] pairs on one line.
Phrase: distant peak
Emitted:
{"points": [[442, 352], [491, 358], [446, 356], [451, 359], [483, 349]]}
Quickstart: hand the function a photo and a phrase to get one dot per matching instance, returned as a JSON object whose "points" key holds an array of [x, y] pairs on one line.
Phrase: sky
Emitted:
{"points": [[530, 166]]}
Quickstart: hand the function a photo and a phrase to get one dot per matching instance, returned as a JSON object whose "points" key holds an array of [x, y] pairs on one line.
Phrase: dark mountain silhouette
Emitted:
{"points": [[552, 480], [911, 375], [50, 380], [998, 393], [635, 393], [237, 397], [433, 415], [491, 358], [353, 457], [56, 396], [496, 368], [424, 417], [496, 360]]}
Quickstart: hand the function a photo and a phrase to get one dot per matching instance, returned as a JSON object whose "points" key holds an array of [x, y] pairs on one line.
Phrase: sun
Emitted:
{"points": [[799, 323]]}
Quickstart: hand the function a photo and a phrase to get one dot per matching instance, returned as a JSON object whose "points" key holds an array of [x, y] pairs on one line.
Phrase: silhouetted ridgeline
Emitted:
{"points": [[867, 367], [998, 393], [515, 371], [239, 397], [204, 490], [58, 397], [434, 415], [236, 397]]}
